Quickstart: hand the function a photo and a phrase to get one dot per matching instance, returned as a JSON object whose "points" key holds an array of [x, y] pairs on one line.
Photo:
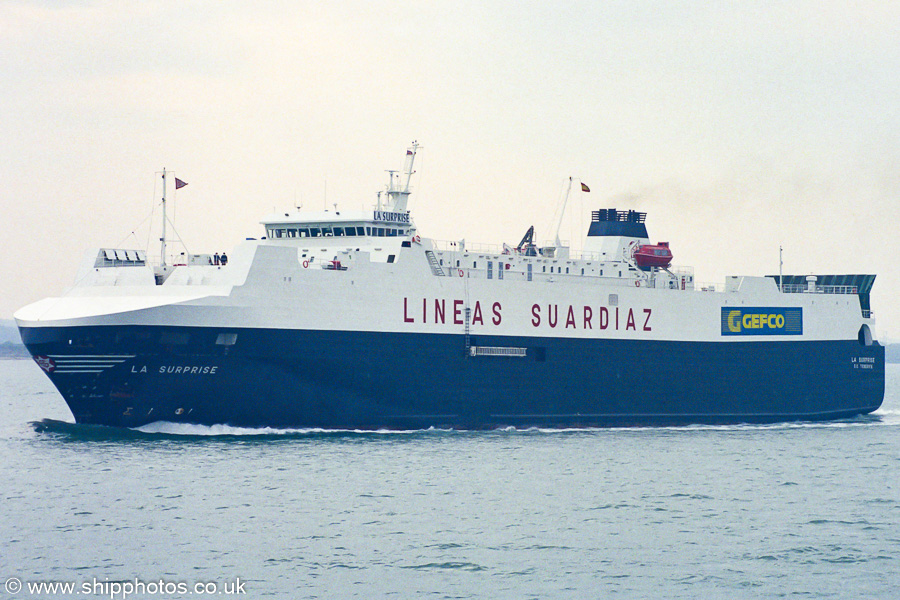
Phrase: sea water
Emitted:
{"points": [[793, 510]]}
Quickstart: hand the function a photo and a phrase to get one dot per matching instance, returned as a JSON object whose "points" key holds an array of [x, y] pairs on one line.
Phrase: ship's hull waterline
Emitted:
{"points": [[123, 376]]}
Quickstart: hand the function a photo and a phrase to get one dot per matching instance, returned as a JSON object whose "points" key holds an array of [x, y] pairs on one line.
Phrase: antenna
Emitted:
{"points": [[780, 275], [162, 239], [562, 213]]}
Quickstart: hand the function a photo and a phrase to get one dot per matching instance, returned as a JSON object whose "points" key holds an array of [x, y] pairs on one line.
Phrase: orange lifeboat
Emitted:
{"points": [[653, 255]]}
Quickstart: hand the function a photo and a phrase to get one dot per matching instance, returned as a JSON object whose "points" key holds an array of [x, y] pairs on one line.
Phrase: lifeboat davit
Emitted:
{"points": [[653, 255]]}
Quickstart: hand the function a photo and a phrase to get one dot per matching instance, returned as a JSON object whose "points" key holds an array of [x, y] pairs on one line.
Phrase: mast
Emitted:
{"points": [[398, 191], [780, 274], [162, 239], [562, 213]]}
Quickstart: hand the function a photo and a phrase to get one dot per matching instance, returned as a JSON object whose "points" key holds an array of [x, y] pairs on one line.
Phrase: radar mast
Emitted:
{"points": [[398, 190]]}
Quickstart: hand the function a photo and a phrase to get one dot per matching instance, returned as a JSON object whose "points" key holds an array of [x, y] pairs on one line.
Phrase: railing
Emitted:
{"points": [[477, 248], [793, 288], [708, 287], [474, 248]]}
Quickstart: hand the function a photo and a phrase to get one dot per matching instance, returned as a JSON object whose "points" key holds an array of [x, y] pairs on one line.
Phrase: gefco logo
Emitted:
{"points": [[762, 321]]}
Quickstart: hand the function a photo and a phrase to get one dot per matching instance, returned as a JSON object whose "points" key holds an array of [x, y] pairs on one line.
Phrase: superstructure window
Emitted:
{"points": [[315, 232], [338, 232]]}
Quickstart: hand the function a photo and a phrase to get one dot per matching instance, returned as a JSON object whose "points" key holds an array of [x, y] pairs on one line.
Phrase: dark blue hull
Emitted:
{"points": [[368, 380]]}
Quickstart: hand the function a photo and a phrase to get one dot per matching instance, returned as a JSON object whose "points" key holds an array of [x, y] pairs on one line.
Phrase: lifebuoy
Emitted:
{"points": [[637, 283], [460, 272], [305, 264], [417, 239]]}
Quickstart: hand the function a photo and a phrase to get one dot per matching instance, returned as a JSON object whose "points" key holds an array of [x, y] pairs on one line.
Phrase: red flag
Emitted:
{"points": [[180, 184], [584, 188]]}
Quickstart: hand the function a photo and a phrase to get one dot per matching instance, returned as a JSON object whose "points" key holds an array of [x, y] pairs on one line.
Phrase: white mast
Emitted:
{"points": [[562, 213], [780, 274], [398, 194], [163, 238]]}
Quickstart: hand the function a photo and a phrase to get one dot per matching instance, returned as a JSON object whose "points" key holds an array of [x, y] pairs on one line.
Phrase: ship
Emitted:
{"points": [[353, 320]]}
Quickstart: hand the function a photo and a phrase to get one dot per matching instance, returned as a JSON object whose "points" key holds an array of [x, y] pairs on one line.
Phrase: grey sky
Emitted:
{"points": [[737, 126]]}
